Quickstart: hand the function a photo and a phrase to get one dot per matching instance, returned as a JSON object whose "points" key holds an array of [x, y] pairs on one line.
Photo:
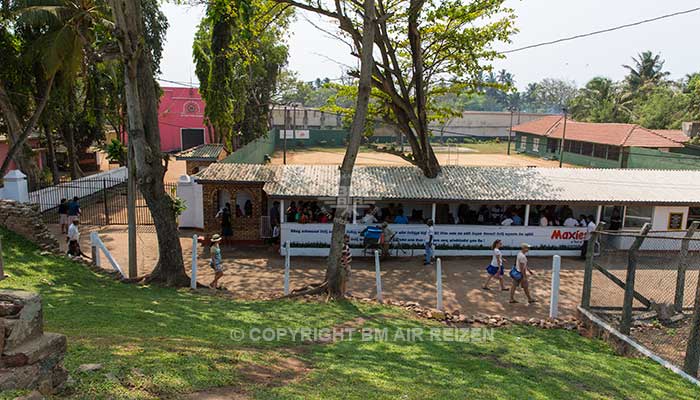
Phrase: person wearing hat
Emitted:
{"points": [[519, 274], [429, 236], [215, 262], [387, 235]]}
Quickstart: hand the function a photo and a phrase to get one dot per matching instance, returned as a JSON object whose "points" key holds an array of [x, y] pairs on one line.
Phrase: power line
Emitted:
{"points": [[615, 28]]}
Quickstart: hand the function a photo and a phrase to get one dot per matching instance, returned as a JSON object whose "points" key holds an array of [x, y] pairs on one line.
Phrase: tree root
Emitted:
{"points": [[310, 290]]}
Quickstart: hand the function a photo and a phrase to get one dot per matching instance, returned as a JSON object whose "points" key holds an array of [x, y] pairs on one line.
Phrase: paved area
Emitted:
{"points": [[257, 271], [334, 156]]}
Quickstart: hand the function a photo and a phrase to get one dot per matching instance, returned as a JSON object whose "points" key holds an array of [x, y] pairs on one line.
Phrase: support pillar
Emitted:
{"points": [[434, 212], [526, 220]]}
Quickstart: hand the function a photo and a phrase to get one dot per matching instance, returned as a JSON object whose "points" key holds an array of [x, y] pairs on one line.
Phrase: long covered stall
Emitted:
{"points": [[471, 206]]}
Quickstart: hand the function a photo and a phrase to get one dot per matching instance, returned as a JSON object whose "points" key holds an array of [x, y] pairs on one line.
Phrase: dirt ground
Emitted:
{"points": [[468, 158], [257, 271]]}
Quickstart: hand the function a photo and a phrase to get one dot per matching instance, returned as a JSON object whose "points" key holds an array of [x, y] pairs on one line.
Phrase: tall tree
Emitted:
{"points": [[647, 70], [602, 100], [423, 49], [142, 94]]}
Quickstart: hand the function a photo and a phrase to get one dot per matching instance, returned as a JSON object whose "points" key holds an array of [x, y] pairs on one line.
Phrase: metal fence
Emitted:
{"points": [[103, 201], [645, 284]]}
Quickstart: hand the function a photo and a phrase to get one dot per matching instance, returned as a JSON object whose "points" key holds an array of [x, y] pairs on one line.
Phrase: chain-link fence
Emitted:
{"points": [[644, 284]]}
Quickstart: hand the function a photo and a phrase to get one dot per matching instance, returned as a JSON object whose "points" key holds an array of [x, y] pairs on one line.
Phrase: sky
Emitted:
{"points": [[315, 54]]}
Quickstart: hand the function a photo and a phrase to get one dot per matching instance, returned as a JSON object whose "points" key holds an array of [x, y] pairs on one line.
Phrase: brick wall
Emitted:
{"points": [[244, 228], [199, 165], [25, 220]]}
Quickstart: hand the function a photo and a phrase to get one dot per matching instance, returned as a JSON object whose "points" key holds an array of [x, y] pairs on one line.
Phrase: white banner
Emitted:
{"points": [[449, 239], [292, 134]]}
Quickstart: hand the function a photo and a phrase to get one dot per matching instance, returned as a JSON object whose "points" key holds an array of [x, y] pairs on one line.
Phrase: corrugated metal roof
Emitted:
{"points": [[201, 152], [462, 183], [627, 135]]}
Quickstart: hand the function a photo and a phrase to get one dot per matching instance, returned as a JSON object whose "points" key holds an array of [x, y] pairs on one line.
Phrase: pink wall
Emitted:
{"points": [[5, 147], [179, 108]]}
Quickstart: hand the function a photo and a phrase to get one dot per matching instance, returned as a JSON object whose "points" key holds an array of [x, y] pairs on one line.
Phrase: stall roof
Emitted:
{"points": [[203, 152], [462, 183]]}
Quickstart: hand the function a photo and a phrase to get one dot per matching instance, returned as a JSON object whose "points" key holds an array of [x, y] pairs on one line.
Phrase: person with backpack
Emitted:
{"points": [[519, 274], [215, 262], [495, 269]]}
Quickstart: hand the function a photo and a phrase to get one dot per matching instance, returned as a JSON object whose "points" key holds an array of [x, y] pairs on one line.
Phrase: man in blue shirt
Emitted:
{"points": [[73, 210]]}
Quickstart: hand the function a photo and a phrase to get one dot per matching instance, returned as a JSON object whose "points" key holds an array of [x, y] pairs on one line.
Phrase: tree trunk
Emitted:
{"points": [[51, 156], [142, 116], [68, 134], [335, 275]]}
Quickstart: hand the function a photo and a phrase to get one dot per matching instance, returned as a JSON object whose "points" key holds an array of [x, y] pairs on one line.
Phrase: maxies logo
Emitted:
{"points": [[576, 235]]}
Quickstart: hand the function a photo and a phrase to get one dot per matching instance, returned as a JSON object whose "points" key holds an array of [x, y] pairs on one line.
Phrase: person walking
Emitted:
{"points": [[226, 224], [63, 216], [428, 242], [215, 262], [387, 236], [495, 269], [519, 274], [346, 263], [73, 210], [590, 227]]}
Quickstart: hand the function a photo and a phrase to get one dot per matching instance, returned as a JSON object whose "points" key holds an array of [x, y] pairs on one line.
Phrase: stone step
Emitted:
{"points": [[34, 350], [24, 319]]}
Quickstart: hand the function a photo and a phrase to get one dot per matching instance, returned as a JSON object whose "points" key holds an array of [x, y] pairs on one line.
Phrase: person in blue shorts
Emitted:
{"points": [[495, 269], [215, 262]]}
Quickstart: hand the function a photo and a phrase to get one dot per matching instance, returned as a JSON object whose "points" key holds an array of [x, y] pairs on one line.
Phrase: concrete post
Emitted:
{"points": [[378, 276], [599, 215], [626, 323], [434, 211], [438, 283], [554, 297], [193, 276], [16, 186], [95, 249], [354, 211], [282, 214], [286, 268], [526, 220]]}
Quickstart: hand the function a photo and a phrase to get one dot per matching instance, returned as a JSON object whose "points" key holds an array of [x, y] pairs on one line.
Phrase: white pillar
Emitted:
{"points": [[527, 215], [378, 276], [438, 283], [286, 268], [599, 214], [354, 211], [434, 211], [95, 249], [193, 275], [16, 186], [281, 215], [554, 297]]}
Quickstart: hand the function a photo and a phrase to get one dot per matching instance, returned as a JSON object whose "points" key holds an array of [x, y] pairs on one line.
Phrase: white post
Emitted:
{"points": [[193, 277], [282, 210], [527, 215], [378, 276], [354, 212], [599, 215], [438, 282], [434, 211], [16, 186], [286, 268], [95, 251], [554, 298]]}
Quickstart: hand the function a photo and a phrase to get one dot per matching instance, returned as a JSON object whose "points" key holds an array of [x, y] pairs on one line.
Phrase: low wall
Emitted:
{"points": [[25, 220]]}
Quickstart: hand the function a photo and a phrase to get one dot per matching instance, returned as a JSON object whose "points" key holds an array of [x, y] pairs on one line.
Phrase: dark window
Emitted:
{"points": [[693, 215], [192, 138], [552, 145], [576, 147], [600, 150], [586, 148], [613, 153]]}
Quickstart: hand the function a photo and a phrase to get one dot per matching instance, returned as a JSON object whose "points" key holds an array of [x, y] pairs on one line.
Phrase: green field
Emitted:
{"points": [[162, 343]]}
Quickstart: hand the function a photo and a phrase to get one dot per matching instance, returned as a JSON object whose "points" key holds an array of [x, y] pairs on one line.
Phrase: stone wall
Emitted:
{"points": [[25, 220], [29, 358], [244, 228]]}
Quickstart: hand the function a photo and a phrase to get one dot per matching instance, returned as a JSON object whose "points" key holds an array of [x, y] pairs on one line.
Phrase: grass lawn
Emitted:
{"points": [[162, 343]]}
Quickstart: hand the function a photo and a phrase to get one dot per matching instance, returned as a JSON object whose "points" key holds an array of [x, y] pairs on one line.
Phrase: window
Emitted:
{"points": [[637, 216], [600, 150], [586, 148], [693, 215], [613, 153], [523, 143], [552, 145], [536, 144], [575, 147]]}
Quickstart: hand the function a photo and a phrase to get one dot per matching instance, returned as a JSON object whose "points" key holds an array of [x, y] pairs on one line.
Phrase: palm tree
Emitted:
{"points": [[601, 100], [647, 71]]}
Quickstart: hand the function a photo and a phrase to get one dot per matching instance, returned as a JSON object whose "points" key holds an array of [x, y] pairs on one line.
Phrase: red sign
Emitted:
{"points": [[559, 235]]}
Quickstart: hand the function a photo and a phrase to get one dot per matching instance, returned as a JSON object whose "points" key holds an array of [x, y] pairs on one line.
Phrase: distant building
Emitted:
{"points": [[34, 143], [181, 119], [605, 145]]}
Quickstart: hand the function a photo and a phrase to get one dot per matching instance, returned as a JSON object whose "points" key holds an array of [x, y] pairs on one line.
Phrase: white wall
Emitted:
{"points": [[191, 193], [659, 220]]}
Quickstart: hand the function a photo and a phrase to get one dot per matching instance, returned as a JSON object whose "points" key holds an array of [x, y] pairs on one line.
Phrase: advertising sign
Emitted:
{"points": [[292, 134]]}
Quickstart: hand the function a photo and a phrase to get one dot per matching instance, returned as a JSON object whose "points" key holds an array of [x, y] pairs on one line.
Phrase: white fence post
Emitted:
{"points": [[378, 276], [438, 282], [554, 298], [101, 246], [95, 251], [286, 268], [193, 275]]}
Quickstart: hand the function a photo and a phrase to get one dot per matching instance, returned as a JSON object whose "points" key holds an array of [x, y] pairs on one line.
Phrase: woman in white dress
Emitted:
{"points": [[495, 269]]}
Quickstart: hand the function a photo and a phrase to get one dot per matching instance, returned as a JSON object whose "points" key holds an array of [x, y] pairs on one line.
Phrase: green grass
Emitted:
{"points": [[161, 343]]}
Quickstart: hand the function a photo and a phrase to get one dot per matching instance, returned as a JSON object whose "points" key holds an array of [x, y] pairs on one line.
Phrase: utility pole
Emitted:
{"points": [[284, 140], [294, 121], [131, 211], [563, 137], [510, 131]]}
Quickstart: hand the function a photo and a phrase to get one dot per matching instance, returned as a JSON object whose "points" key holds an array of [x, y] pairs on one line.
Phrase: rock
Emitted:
{"points": [[9, 308], [28, 323], [664, 310], [37, 349], [89, 367]]}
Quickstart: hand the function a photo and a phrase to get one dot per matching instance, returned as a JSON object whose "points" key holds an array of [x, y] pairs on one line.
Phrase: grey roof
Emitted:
{"points": [[203, 152], [479, 184]]}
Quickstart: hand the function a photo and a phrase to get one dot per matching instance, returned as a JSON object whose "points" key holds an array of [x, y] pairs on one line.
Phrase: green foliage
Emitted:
{"points": [[116, 152]]}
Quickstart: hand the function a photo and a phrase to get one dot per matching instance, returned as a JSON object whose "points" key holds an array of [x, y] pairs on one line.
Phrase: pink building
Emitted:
{"points": [[181, 119], [33, 142]]}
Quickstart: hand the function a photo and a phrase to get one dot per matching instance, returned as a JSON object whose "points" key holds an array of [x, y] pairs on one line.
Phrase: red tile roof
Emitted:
{"points": [[626, 135], [676, 135]]}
